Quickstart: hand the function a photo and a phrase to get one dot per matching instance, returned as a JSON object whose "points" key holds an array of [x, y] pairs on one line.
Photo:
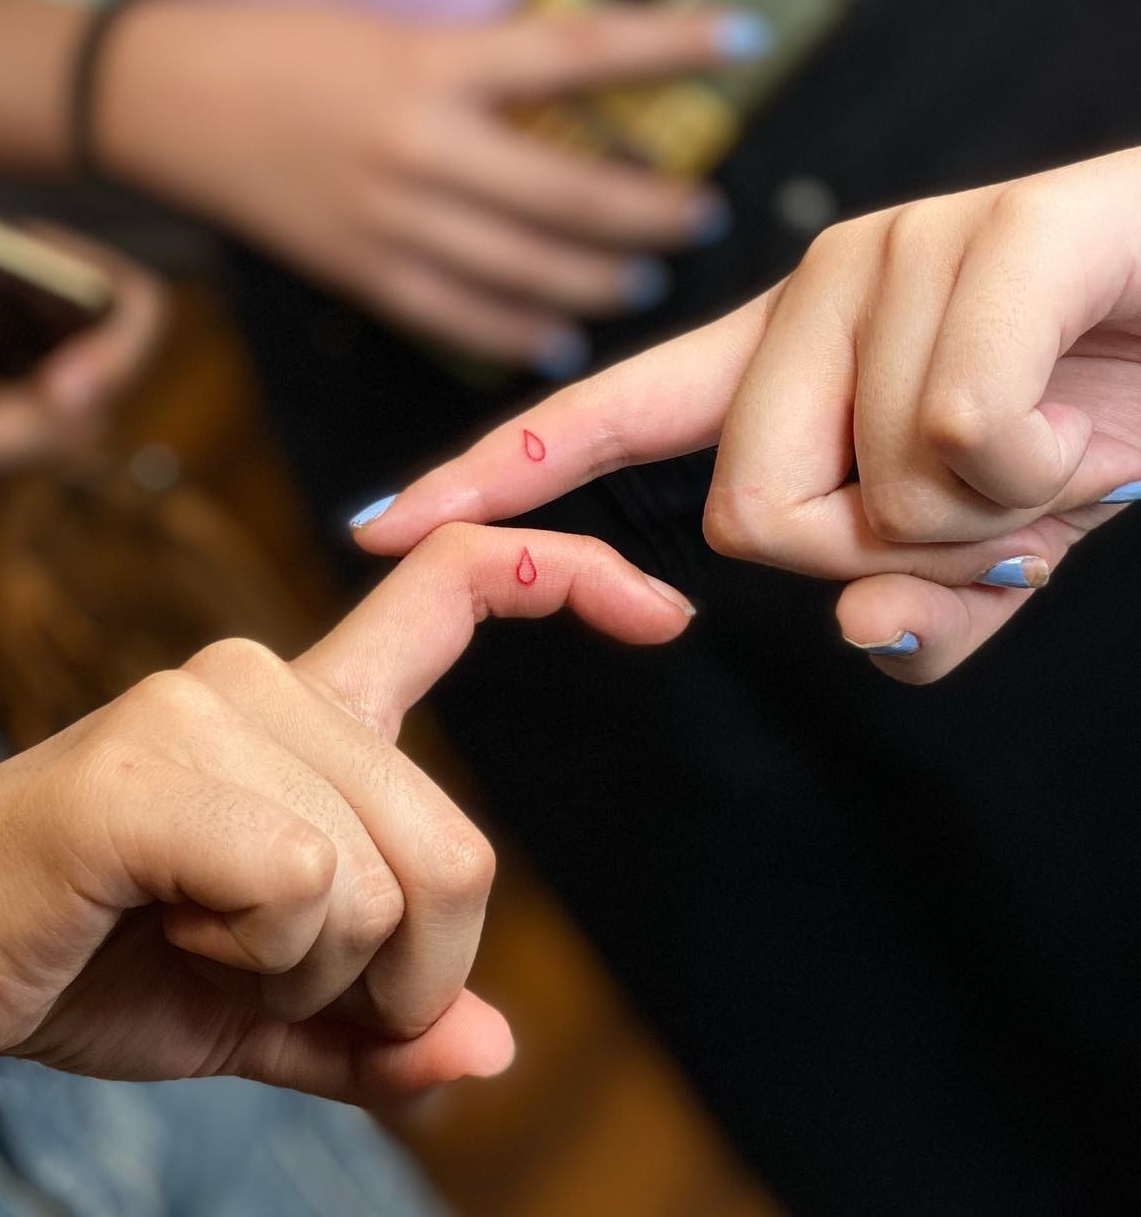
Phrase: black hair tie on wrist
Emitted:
{"points": [[85, 82]]}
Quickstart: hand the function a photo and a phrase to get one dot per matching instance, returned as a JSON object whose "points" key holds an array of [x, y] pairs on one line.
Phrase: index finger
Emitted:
{"points": [[667, 401], [390, 651]]}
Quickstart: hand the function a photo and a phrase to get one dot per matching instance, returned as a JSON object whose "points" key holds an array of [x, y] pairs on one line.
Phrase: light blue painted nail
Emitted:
{"points": [[645, 282], [1024, 572], [744, 36], [367, 514], [713, 220], [561, 354], [903, 644], [1129, 493]]}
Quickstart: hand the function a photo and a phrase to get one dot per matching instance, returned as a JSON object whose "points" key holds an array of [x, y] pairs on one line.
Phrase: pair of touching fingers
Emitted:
{"points": [[252, 821], [976, 357]]}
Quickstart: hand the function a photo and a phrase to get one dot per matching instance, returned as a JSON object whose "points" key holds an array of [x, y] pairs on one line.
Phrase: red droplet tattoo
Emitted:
{"points": [[525, 572], [534, 447]]}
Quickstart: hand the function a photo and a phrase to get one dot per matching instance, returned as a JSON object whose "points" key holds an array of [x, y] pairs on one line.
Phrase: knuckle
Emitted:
{"points": [[237, 657], [903, 511], [730, 525], [953, 425], [908, 235], [174, 695], [305, 863], [827, 247], [377, 906], [457, 864], [1022, 206]]}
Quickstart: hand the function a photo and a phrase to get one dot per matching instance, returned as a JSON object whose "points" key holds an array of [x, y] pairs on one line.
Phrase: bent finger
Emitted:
{"points": [[916, 631], [1045, 268], [426, 610]]}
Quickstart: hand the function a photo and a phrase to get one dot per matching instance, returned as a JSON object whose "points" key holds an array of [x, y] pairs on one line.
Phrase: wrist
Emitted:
{"points": [[162, 100], [38, 45]]}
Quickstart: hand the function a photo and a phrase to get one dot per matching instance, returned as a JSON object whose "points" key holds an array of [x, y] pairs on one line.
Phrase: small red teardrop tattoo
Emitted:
{"points": [[534, 446], [525, 572]]}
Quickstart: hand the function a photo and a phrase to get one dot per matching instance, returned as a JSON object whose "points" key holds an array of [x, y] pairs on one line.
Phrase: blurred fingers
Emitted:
{"points": [[509, 255], [431, 299], [552, 53], [574, 194]]}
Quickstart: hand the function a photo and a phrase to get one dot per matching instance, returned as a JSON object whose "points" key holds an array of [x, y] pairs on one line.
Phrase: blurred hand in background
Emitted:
{"points": [[379, 157], [65, 401]]}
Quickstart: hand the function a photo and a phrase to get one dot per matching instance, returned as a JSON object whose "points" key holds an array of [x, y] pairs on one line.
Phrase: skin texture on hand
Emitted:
{"points": [[981, 344], [233, 869], [64, 403], [377, 157]]}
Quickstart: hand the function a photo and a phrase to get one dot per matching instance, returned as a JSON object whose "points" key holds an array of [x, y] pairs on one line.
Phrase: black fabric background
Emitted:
{"points": [[893, 934]]}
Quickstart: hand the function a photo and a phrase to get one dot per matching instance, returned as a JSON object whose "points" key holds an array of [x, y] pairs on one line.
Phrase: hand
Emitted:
{"points": [[232, 869], [377, 157], [777, 384], [64, 403]]}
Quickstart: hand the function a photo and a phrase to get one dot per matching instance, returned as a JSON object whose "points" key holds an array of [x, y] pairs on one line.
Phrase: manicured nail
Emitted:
{"points": [[898, 645], [672, 595], [645, 282], [1023, 572], [367, 514], [712, 219], [744, 35], [1129, 493], [561, 354]]}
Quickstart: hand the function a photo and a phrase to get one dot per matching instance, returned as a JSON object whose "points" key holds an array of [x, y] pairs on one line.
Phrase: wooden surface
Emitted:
{"points": [[593, 1120]]}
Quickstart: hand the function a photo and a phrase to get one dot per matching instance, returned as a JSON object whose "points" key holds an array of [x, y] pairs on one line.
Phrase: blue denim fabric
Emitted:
{"points": [[219, 1147]]}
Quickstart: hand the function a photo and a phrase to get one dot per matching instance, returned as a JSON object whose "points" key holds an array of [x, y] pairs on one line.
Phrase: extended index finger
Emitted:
{"points": [[665, 402]]}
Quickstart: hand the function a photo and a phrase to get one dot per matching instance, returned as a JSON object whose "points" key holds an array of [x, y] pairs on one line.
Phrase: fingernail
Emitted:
{"points": [[645, 282], [672, 595], [1023, 572], [1129, 493], [712, 219], [367, 514], [898, 645], [561, 354], [743, 35]]}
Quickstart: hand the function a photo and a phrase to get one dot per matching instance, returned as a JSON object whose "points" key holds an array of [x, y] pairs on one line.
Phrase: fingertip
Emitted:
{"points": [[371, 512], [672, 596], [743, 36], [470, 1039]]}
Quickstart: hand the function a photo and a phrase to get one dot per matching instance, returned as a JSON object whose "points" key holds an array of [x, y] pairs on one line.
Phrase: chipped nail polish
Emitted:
{"points": [[1023, 572], [897, 646]]}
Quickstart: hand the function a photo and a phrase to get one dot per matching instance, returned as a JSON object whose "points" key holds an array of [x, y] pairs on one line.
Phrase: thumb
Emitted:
{"points": [[347, 1063], [391, 649], [670, 400]]}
